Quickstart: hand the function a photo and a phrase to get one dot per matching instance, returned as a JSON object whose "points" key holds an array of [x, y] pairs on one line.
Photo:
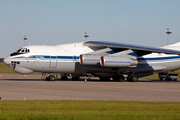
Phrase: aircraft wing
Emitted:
{"points": [[142, 50]]}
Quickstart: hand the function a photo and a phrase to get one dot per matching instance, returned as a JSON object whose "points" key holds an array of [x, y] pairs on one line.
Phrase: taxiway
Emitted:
{"points": [[16, 87]]}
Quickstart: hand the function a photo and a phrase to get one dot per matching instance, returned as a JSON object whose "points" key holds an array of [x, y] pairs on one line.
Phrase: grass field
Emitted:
{"points": [[5, 69], [89, 110]]}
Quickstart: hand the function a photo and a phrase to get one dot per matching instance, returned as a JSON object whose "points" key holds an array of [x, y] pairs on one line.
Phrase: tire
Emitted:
{"points": [[118, 78], [104, 78], [52, 78], [115, 78], [134, 79], [121, 79], [47, 78], [129, 78], [75, 78], [64, 78]]}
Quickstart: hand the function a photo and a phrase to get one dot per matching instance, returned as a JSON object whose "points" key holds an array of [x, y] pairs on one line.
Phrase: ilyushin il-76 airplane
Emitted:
{"points": [[102, 59]]}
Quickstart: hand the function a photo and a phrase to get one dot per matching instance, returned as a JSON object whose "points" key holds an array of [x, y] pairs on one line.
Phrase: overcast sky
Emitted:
{"points": [[55, 22]]}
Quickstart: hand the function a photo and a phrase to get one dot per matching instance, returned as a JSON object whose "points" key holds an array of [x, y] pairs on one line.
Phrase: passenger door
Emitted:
{"points": [[53, 62]]}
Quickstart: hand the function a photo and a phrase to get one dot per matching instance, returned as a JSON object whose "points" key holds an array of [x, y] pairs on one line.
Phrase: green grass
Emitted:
{"points": [[155, 76], [89, 110], [5, 69]]}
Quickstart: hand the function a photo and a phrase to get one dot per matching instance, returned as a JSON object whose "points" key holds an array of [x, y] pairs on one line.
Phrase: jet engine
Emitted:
{"points": [[117, 61], [89, 59]]}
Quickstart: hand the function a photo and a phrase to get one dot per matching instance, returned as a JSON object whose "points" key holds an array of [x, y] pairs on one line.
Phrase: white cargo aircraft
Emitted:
{"points": [[99, 58]]}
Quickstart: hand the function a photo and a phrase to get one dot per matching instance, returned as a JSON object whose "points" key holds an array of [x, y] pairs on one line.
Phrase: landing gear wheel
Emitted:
{"points": [[115, 78], [104, 78], [75, 78], [52, 78], [47, 78], [132, 78], [64, 78], [121, 79], [118, 78], [129, 78]]}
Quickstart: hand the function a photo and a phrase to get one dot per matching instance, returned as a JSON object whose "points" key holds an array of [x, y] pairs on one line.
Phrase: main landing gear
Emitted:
{"points": [[50, 78], [64, 78], [121, 78], [75, 78], [104, 78], [132, 78]]}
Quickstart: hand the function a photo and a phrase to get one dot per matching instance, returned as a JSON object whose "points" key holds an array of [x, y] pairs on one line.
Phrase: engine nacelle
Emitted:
{"points": [[89, 59], [116, 61]]}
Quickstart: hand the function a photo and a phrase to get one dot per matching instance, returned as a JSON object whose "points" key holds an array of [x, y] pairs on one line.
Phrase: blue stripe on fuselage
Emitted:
{"points": [[48, 57], [77, 57], [160, 58]]}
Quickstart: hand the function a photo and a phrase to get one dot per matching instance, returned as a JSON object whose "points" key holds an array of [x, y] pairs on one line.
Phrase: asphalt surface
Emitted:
{"points": [[16, 87]]}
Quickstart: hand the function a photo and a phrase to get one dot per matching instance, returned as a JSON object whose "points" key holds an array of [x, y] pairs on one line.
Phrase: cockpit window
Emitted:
{"points": [[20, 51]]}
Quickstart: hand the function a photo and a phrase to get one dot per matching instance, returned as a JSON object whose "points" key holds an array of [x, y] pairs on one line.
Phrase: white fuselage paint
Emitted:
{"points": [[65, 59]]}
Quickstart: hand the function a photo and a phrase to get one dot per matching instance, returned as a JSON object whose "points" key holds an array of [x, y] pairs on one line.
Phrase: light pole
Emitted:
{"points": [[25, 38], [86, 36], [168, 32]]}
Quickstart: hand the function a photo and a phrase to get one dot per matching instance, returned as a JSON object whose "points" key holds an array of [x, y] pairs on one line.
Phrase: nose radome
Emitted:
{"points": [[7, 60]]}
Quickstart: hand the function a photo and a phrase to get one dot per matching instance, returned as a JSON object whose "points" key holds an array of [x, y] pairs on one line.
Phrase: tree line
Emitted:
{"points": [[1, 59]]}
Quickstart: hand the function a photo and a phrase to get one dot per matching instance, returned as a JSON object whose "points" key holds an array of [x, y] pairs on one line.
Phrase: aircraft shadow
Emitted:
{"points": [[91, 80]]}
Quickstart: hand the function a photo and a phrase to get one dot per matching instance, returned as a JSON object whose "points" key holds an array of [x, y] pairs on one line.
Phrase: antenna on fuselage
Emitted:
{"points": [[86, 36], [25, 38]]}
